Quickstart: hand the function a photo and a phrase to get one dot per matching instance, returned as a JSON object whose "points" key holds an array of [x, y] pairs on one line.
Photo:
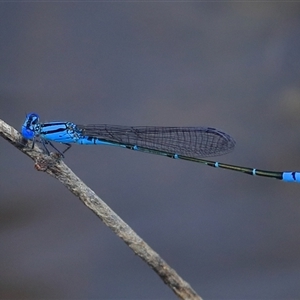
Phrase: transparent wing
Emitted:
{"points": [[195, 142]]}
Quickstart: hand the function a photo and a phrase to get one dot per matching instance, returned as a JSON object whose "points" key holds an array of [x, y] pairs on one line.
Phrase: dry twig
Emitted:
{"points": [[55, 167]]}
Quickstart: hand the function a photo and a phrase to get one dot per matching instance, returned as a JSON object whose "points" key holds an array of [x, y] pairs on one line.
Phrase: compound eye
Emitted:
{"points": [[33, 118], [27, 133]]}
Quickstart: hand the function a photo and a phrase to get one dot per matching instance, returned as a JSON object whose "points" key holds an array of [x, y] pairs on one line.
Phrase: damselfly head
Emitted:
{"points": [[29, 126]]}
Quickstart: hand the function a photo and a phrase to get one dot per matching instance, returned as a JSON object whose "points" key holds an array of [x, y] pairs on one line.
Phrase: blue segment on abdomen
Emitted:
{"points": [[291, 176]]}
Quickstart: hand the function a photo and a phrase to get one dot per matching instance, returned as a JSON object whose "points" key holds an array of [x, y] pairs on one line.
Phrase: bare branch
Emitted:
{"points": [[54, 166]]}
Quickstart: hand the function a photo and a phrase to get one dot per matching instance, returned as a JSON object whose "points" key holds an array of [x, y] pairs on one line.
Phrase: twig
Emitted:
{"points": [[55, 167]]}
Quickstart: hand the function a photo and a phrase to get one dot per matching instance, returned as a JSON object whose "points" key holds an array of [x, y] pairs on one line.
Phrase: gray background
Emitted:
{"points": [[234, 66]]}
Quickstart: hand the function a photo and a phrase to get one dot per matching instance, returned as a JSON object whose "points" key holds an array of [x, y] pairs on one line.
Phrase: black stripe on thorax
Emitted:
{"points": [[45, 131]]}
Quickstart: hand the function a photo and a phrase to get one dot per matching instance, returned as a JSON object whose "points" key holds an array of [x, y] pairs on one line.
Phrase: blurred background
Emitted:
{"points": [[233, 66]]}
